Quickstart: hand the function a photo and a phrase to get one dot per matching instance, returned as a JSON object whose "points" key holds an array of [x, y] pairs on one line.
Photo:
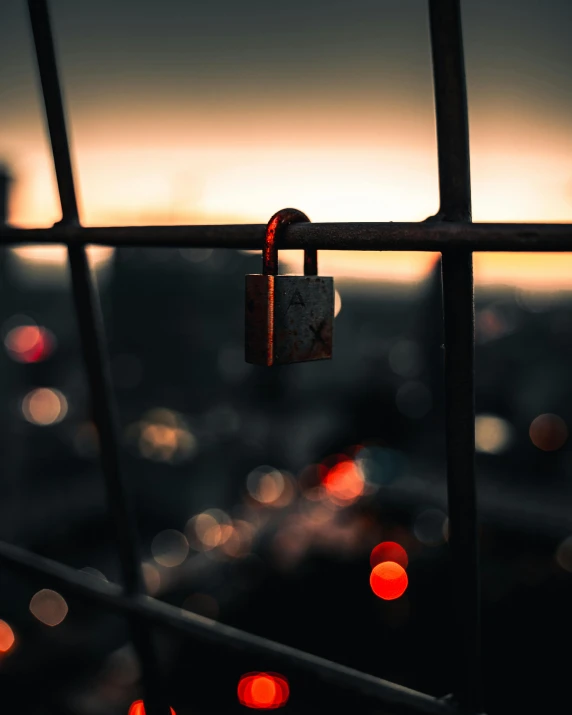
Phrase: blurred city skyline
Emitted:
{"points": [[219, 113]]}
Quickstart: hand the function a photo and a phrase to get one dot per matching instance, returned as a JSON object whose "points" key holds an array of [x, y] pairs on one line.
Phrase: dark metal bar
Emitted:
{"points": [[426, 236], [450, 110], [144, 608], [48, 70], [92, 342], [458, 311]]}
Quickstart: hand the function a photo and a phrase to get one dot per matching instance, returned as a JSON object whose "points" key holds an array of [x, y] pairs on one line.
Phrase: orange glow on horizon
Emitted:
{"points": [[389, 551], [388, 580], [375, 162], [138, 708], [263, 691]]}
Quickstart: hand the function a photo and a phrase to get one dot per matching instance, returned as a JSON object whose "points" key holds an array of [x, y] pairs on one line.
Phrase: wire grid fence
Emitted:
{"points": [[450, 232]]}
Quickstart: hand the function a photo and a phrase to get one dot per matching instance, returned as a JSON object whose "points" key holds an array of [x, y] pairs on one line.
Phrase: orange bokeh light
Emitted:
{"points": [[344, 482], [138, 708], [263, 691], [6, 637], [388, 551], [388, 580]]}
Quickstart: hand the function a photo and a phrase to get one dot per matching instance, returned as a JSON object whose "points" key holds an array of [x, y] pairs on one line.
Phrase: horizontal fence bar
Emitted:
{"points": [[424, 236], [110, 596]]}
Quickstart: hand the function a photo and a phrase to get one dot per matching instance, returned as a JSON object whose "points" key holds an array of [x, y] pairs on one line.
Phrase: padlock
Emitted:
{"points": [[288, 318]]}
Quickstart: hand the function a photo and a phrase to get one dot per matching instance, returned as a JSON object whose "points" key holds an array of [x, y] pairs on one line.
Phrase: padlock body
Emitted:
{"points": [[288, 319]]}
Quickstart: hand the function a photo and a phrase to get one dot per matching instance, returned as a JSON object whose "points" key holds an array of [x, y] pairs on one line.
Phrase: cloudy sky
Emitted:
{"points": [[224, 111]]}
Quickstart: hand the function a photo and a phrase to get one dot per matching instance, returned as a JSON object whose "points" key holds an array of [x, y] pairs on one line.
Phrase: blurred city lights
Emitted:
{"points": [[263, 691], [344, 482], [163, 436], [388, 580], [429, 527], [29, 343], [44, 406], [337, 303], [564, 554], [389, 551], [209, 529], [7, 638], [492, 434], [240, 540], [265, 484], [138, 708], [170, 548], [48, 607], [548, 432]]}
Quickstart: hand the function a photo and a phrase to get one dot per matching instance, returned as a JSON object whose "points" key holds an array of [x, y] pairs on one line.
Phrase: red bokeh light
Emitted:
{"points": [[29, 343], [138, 708], [548, 432], [388, 580], [388, 551], [7, 638], [263, 691], [344, 481]]}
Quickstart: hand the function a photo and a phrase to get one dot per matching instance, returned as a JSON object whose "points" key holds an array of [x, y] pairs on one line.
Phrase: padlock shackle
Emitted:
{"points": [[283, 218]]}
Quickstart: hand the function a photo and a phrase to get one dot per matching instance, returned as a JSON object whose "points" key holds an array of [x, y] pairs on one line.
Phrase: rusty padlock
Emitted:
{"points": [[288, 318]]}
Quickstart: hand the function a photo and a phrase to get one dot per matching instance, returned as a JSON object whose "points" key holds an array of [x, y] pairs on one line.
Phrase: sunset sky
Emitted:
{"points": [[222, 111]]}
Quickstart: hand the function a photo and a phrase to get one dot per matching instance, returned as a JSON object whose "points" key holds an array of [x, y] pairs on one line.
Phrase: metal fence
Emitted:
{"points": [[450, 231]]}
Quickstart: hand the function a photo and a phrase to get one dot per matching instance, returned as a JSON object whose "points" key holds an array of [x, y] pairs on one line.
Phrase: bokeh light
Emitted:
{"points": [[209, 529], [337, 303], [239, 542], [388, 551], [388, 580], [162, 435], [344, 482], [138, 708], [263, 691], [7, 638], [492, 434], [44, 406], [548, 432], [48, 607], [265, 484], [170, 548], [29, 343]]}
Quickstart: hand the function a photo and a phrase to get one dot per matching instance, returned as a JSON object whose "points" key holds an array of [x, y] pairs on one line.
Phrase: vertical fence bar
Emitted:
{"points": [[92, 342], [458, 310]]}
